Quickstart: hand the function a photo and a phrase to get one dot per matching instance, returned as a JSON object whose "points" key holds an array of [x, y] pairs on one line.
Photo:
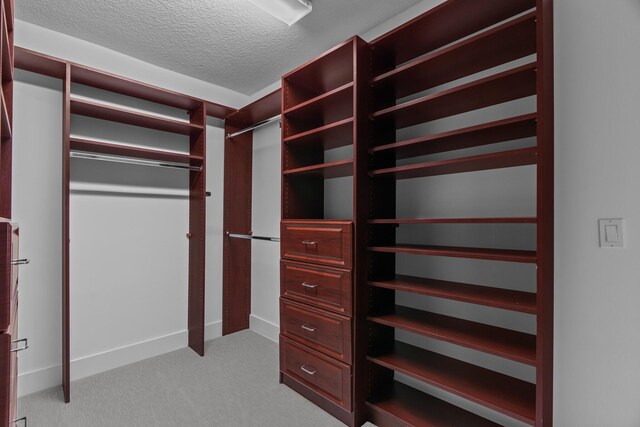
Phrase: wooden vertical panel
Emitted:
{"points": [[197, 235], [6, 142], [545, 208], [66, 135], [236, 287]]}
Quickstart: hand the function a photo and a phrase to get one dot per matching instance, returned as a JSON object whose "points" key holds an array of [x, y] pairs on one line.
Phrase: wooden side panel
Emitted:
{"points": [[545, 207], [66, 135], [236, 285], [197, 235]]}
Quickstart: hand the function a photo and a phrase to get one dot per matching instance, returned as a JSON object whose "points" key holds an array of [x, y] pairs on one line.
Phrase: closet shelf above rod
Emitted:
{"points": [[252, 237], [253, 127], [132, 161]]}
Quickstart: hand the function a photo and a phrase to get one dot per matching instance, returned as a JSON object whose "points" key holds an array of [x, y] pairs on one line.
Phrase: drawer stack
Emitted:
{"points": [[10, 344], [315, 311]]}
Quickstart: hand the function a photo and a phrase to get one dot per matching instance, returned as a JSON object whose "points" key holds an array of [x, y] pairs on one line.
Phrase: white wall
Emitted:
{"points": [[129, 252]]}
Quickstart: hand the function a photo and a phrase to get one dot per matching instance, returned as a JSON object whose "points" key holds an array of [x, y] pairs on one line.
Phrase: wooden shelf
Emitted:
{"points": [[121, 115], [502, 393], [506, 343], [330, 170], [503, 159], [505, 43], [333, 135], [507, 86], [488, 220], [330, 70], [135, 152], [505, 255], [443, 25], [39, 63], [7, 58], [474, 136], [6, 123], [319, 105], [405, 406], [263, 109], [505, 299]]}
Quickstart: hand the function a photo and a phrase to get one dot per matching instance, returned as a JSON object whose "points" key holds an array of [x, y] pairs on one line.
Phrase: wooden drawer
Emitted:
{"points": [[326, 288], [326, 376], [326, 332], [321, 242]]}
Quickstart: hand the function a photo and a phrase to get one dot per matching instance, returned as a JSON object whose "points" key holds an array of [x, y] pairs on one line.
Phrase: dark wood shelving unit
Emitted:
{"points": [[505, 255], [321, 104], [505, 299], [458, 39], [507, 86], [401, 405], [492, 161], [499, 392], [100, 111], [136, 152], [506, 343], [333, 135], [489, 133]]}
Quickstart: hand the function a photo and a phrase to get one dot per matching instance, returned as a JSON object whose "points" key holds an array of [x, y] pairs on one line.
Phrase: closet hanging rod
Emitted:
{"points": [[252, 237], [132, 161], [256, 126]]}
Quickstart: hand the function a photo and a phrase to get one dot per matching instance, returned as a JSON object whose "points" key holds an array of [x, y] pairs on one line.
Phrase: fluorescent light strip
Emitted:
{"points": [[288, 11]]}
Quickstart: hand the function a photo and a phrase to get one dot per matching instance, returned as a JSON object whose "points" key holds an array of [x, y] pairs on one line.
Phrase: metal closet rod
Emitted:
{"points": [[132, 161], [256, 126], [252, 237]]}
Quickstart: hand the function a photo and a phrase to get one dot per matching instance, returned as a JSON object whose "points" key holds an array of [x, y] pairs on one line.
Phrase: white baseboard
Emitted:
{"points": [[44, 378], [264, 328]]}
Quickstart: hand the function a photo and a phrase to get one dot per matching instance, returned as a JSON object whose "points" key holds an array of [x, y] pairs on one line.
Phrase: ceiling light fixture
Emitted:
{"points": [[288, 11]]}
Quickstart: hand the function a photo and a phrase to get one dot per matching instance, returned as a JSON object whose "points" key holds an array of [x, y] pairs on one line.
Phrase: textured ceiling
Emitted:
{"points": [[230, 43]]}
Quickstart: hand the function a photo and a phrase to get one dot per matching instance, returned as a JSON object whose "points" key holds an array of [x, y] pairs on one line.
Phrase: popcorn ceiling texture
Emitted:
{"points": [[230, 43]]}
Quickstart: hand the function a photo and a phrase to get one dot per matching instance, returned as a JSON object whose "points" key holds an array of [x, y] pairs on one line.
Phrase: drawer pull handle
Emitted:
{"points": [[309, 285], [22, 420], [23, 261], [309, 243], [24, 347], [307, 370], [308, 328]]}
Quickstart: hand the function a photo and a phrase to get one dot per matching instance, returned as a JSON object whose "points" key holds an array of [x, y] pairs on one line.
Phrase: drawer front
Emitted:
{"points": [[326, 332], [326, 242], [323, 287], [326, 376]]}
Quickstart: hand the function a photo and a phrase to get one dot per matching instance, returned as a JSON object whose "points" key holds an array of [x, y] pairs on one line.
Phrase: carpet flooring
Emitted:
{"points": [[234, 385]]}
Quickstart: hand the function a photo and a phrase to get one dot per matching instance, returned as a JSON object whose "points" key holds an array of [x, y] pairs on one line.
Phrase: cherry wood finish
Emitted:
{"points": [[40, 63], [326, 376], [400, 406], [507, 255], [327, 288], [236, 282], [487, 220], [499, 392], [122, 115], [512, 345], [329, 170], [66, 176], [325, 332], [334, 135], [320, 242], [137, 152], [6, 280], [6, 106], [505, 299]]}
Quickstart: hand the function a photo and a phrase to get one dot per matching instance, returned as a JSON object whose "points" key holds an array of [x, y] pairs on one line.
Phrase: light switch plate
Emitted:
{"points": [[611, 232]]}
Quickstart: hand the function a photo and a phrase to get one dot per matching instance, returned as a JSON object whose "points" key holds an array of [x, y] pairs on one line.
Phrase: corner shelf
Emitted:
{"points": [[500, 45], [502, 393], [474, 136], [403, 405], [506, 343], [507, 86], [503, 159], [505, 299], [330, 170], [106, 112], [506, 255], [141, 153]]}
